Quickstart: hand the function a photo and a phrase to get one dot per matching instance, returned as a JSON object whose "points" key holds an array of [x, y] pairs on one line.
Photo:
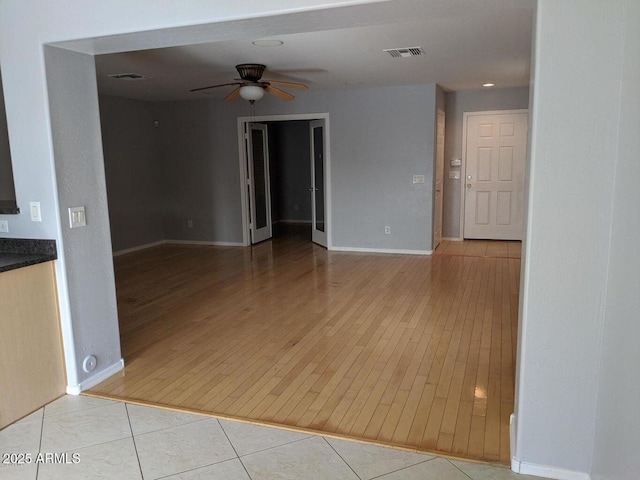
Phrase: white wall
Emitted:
{"points": [[576, 119], [617, 434]]}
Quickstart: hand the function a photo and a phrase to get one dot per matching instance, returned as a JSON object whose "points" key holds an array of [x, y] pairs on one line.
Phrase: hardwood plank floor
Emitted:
{"points": [[411, 351]]}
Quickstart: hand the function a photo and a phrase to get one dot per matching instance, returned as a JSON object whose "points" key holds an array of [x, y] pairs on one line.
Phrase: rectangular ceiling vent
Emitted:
{"points": [[405, 52], [128, 76]]}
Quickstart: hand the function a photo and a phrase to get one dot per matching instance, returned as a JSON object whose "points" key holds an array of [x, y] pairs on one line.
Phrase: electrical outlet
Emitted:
{"points": [[387, 230], [190, 223], [4, 226]]}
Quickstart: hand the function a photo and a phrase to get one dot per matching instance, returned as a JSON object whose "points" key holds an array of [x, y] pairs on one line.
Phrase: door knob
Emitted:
{"points": [[468, 185]]}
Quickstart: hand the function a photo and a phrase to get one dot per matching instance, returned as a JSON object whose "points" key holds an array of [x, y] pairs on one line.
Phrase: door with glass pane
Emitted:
{"points": [[318, 181], [259, 191]]}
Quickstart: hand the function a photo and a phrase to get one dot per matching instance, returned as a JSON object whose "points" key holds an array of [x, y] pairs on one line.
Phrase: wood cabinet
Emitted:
{"points": [[31, 359]]}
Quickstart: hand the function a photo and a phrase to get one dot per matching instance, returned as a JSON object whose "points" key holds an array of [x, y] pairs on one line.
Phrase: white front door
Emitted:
{"points": [[318, 182], [258, 181], [437, 180], [496, 146]]}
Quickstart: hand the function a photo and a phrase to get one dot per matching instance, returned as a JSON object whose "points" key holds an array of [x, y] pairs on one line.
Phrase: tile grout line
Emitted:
{"points": [[110, 402], [341, 458], [133, 438], [461, 471], [234, 449], [404, 468], [40, 443]]}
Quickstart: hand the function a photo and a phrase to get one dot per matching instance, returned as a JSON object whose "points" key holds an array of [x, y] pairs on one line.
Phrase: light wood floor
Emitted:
{"points": [[412, 351]]}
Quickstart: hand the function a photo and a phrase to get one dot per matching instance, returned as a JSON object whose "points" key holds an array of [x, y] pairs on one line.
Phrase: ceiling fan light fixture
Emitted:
{"points": [[251, 92]]}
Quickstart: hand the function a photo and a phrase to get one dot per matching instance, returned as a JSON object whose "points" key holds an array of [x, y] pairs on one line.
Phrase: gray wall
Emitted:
{"points": [[199, 153], [458, 103], [618, 415], [380, 138], [579, 334], [7, 191], [289, 150], [85, 251], [133, 171]]}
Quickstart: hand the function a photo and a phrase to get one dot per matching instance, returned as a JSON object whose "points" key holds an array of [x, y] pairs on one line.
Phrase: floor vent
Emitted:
{"points": [[128, 76], [405, 52]]}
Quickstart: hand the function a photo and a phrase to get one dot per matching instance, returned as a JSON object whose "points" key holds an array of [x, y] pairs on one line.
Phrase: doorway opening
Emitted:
{"points": [[284, 166]]}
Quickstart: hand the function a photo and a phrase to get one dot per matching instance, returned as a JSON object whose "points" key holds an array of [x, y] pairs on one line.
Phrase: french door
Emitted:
{"points": [[258, 182], [317, 189]]}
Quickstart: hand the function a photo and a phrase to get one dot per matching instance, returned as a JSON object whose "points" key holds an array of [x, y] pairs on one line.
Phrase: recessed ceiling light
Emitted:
{"points": [[267, 43], [488, 84]]}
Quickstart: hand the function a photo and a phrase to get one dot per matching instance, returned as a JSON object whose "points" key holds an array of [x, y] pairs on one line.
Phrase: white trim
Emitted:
{"points": [[382, 250], [205, 242], [452, 239], [242, 122], [139, 247], [547, 472], [463, 167], [96, 379], [179, 242]]}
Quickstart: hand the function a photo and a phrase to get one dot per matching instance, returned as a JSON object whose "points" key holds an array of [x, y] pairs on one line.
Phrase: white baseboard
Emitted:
{"points": [[204, 242], [382, 250], [546, 471], [453, 239], [96, 379], [139, 247], [177, 242]]}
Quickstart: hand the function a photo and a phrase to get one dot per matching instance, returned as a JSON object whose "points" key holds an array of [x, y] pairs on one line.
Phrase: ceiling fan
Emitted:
{"points": [[252, 88]]}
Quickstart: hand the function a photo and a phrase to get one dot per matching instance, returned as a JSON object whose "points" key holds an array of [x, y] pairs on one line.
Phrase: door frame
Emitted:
{"points": [[434, 212], [463, 167], [242, 164]]}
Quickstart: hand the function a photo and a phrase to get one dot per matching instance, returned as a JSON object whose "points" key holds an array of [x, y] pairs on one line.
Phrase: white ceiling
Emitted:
{"points": [[467, 43]]}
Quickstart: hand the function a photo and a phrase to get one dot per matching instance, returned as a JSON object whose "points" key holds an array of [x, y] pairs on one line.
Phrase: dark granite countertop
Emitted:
{"points": [[22, 252]]}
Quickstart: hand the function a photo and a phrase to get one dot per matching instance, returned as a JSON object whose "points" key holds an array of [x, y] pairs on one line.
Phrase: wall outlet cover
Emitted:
{"points": [[4, 226]]}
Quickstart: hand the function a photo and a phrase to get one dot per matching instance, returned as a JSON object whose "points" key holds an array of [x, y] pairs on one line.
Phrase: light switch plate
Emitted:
{"points": [[418, 179], [4, 226], [454, 175], [34, 208], [77, 217], [456, 162]]}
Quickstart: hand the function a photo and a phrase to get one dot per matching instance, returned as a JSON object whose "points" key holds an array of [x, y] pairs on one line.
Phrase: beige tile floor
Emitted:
{"points": [[114, 440]]}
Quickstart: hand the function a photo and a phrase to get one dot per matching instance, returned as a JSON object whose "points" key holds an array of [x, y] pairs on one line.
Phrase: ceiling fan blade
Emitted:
{"points": [[214, 86], [233, 95], [279, 93], [279, 83]]}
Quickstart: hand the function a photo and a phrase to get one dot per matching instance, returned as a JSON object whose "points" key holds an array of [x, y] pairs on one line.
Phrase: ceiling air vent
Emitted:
{"points": [[405, 52], [128, 76]]}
